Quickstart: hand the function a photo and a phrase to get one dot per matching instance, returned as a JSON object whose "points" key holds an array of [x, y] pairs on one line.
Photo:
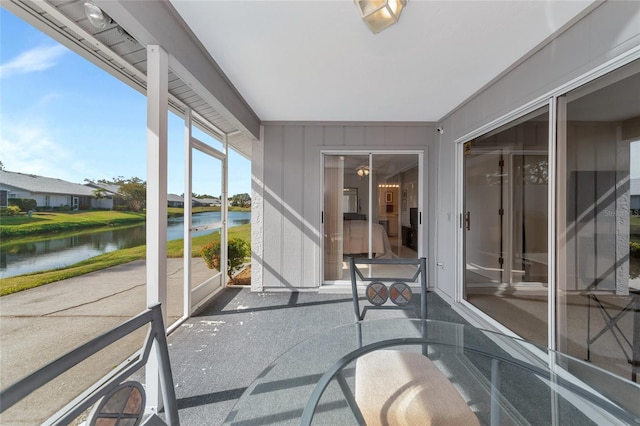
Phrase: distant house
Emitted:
{"points": [[175, 200], [110, 192], [206, 202], [49, 192]]}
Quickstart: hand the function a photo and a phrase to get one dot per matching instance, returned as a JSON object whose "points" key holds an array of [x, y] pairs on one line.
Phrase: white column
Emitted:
{"points": [[224, 238], [188, 156], [257, 213], [157, 110]]}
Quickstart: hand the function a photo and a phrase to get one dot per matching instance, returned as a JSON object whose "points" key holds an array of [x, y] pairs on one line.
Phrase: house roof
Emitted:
{"points": [[42, 184], [209, 201], [114, 189], [175, 198], [179, 198]]}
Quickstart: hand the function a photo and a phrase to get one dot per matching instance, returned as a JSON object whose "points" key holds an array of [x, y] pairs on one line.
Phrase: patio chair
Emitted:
{"points": [[395, 386], [398, 295], [630, 348], [117, 396]]}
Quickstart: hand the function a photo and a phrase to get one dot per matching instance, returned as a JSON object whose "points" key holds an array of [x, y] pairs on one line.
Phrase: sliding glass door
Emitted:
{"points": [[598, 221], [371, 209], [505, 224], [594, 304], [484, 197]]}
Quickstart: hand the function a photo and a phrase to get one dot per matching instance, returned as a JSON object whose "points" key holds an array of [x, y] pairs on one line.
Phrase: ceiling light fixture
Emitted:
{"points": [[362, 171], [379, 14], [96, 16]]}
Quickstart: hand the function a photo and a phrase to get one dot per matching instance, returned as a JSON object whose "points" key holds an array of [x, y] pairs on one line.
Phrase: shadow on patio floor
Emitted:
{"points": [[217, 353]]}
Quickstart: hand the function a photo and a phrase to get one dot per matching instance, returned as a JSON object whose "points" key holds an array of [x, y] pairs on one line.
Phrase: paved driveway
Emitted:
{"points": [[41, 324]]}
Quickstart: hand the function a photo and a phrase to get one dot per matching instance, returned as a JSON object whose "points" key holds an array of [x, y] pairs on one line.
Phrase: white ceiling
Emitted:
{"points": [[317, 61]]}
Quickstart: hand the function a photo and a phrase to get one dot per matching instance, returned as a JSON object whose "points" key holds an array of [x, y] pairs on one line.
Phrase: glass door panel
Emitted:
{"points": [[529, 218], [598, 282], [345, 213], [370, 210], [505, 225], [484, 198], [332, 212], [395, 233]]}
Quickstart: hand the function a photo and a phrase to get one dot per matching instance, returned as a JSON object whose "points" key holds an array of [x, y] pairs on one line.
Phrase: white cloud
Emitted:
{"points": [[36, 59], [28, 146]]}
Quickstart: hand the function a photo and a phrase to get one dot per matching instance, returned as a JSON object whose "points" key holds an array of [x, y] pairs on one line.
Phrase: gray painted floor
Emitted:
{"points": [[217, 353]]}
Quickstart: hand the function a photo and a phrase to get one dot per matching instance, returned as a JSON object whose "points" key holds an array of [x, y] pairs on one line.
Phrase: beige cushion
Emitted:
{"points": [[406, 388]]}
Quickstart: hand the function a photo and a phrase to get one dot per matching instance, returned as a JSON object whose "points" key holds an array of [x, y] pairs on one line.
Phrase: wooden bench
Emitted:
{"points": [[395, 387]]}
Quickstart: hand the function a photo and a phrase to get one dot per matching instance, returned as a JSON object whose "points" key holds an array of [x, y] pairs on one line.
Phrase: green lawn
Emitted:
{"points": [[174, 249], [53, 222], [178, 211], [49, 222]]}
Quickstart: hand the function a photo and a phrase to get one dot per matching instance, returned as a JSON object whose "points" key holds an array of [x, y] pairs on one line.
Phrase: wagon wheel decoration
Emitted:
{"points": [[400, 293], [377, 293], [123, 405]]}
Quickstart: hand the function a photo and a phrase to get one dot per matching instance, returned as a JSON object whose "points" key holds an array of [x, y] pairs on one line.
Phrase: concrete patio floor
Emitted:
{"points": [[216, 354]]}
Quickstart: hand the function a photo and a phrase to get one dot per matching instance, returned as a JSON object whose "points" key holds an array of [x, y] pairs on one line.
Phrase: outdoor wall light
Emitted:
{"points": [[96, 16], [379, 14], [362, 171]]}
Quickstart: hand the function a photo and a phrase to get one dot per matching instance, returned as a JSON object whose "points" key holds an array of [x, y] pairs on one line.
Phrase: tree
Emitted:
{"points": [[99, 193], [240, 200], [132, 192], [202, 196]]}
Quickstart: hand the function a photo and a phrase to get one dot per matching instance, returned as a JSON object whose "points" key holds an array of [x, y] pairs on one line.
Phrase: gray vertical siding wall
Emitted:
{"points": [[610, 30], [287, 191]]}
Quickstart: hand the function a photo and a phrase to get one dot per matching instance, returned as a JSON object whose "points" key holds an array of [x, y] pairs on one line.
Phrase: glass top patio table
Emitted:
{"points": [[504, 380]]}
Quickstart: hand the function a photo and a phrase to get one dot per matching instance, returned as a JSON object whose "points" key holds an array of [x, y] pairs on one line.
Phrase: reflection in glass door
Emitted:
{"points": [[371, 209], [505, 225], [485, 182], [598, 222]]}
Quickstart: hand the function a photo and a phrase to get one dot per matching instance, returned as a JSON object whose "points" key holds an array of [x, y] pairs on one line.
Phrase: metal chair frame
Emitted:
{"points": [[156, 337], [420, 272]]}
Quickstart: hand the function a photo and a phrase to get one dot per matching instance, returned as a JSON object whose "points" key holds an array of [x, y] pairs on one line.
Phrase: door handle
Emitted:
{"points": [[467, 221]]}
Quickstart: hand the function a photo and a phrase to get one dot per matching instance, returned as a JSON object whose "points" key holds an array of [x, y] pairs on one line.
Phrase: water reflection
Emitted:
{"points": [[50, 253]]}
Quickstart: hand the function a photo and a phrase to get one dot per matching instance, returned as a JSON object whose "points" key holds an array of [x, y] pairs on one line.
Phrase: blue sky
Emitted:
{"points": [[63, 117]]}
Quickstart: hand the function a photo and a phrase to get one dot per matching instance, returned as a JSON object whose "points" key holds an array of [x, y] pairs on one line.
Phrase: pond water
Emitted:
{"points": [[23, 258]]}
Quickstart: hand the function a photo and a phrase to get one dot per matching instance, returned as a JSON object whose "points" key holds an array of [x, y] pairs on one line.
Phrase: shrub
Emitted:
{"points": [[24, 204], [238, 250], [10, 211], [211, 255], [634, 248]]}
